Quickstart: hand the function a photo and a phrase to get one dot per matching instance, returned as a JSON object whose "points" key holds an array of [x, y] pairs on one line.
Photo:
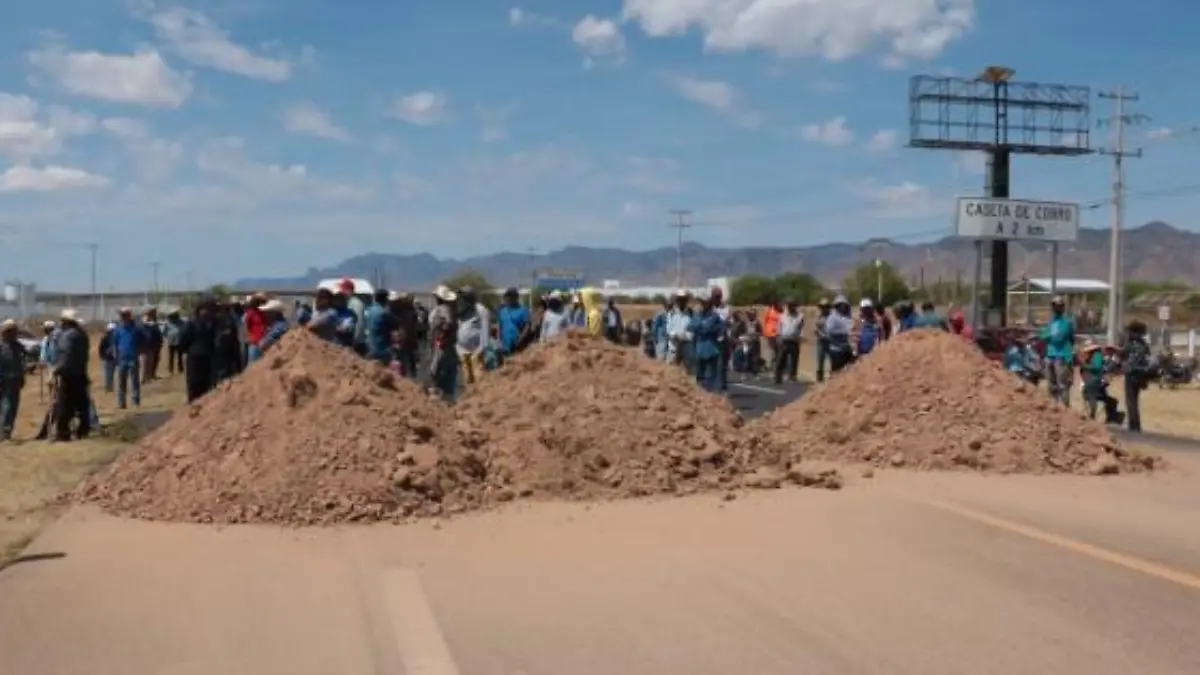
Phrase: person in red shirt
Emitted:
{"points": [[959, 326], [256, 326]]}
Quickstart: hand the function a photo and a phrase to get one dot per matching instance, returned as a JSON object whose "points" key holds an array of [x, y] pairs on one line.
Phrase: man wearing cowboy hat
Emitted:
{"points": [[12, 377], [129, 343], [824, 307], [70, 369], [443, 335]]}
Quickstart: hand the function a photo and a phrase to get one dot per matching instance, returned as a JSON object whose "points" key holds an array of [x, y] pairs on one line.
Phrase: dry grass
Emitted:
{"points": [[33, 474], [1171, 411]]}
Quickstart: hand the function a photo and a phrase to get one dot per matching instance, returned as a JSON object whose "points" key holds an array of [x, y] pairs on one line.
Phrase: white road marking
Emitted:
{"points": [[418, 638], [764, 390]]}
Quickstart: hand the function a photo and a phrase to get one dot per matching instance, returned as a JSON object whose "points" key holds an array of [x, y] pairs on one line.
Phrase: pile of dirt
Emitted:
{"points": [[581, 418], [931, 400], [312, 434]]}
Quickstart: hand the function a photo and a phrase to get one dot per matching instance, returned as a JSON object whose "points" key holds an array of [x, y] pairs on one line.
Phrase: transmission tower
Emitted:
{"points": [[682, 222]]}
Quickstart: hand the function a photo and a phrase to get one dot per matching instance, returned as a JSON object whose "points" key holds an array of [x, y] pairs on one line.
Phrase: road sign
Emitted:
{"points": [[1164, 313], [1019, 220], [558, 279]]}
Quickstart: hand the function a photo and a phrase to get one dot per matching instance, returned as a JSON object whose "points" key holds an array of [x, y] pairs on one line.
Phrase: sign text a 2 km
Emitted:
{"points": [[983, 218]]}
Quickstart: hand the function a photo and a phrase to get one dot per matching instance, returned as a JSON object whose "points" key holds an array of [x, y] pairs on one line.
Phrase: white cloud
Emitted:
{"points": [[1160, 134], [49, 179], [902, 200], [28, 130], [599, 40], [196, 38], [226, 160], [523, 18], [833, 133], [309, 120], [882, 141], [154, 158], [142, 78], [423, 108], [722, 97], [833, 29]]}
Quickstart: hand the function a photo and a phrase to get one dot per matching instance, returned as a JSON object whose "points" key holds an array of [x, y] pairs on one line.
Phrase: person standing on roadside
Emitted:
{"points": [[1136, 357], [72, 351], [198, 342], [276, 325], [256, 326], [822, 350], [381, 326], [1059, 338], [791, 328], [717, 297], [771, 331], [707, 330], [869, 332], [108, 357], [406, 338], [443, 332], [153, 344], [554, 321], [658, 326], [12, 377], [171, 334], [356, 339], [839, 327], [324, 320], [513, 321], [679, 334], [129, 344]]}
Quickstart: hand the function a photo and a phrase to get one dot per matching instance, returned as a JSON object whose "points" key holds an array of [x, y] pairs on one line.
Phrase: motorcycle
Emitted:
{"points": [[1170, 372]]}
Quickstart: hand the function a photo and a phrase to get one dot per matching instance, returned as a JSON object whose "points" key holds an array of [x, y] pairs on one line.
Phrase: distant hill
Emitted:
{"points": [[1154, 252]]}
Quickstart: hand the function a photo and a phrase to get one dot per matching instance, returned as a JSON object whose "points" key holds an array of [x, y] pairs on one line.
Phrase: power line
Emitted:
{"points": [[681, 223], [1118, 123]]}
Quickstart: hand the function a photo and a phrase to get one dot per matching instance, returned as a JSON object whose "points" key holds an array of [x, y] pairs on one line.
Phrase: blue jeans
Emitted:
{"points": [[708, 372], [660, 351], [10, 403], [110, 375], [253, 353], [129, 373]]}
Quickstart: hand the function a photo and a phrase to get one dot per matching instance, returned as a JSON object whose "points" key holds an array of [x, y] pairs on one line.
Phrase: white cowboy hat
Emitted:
{"points": [[444, 294], [272, 306], [866, 303], [70, 315], [48, 324], [8, 324]]}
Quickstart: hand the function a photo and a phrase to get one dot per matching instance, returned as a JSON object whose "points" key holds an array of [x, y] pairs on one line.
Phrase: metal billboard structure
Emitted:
{"points": [[991, 113]]}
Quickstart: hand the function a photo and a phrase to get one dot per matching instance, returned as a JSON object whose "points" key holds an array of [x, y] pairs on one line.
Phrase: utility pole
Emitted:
{"points": [[1117, 123], [94, 248], [154, 266], [681, 223]]}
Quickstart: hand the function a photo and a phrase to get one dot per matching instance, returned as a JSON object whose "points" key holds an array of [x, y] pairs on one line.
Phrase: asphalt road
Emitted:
{"points": [[900, 574]]}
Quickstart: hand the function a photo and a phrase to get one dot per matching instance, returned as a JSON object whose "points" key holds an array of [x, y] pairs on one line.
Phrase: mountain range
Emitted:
{"points": [[1154, 252]]}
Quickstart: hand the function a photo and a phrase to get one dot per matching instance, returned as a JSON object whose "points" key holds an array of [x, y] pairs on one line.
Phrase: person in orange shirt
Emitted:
{"points": [[771, 331]]}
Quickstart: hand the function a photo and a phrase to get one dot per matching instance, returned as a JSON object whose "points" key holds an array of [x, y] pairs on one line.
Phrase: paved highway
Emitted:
{"points": [[901, 574]]}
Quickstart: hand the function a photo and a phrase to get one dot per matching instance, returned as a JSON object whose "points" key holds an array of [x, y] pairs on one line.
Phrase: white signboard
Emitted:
{"points": [[1164, 313], [986, 218]]}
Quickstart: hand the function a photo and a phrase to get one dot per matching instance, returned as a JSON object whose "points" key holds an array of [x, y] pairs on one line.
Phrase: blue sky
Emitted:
{"points": [[227, 138]]}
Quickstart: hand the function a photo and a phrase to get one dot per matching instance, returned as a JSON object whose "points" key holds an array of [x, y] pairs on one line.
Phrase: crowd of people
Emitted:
{"points": [[452, 343]]}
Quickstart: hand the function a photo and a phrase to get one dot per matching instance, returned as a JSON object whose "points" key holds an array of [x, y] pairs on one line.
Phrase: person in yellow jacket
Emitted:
{"points": [[595, 315]]}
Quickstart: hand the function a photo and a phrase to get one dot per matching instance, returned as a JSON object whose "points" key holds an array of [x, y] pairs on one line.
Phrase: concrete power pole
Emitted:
{"points": [[1117, 123], [681, 223], [97, 310]]}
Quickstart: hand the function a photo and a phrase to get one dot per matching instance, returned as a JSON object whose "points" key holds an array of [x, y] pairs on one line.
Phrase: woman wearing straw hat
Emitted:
{"points": [[1095, 384]]}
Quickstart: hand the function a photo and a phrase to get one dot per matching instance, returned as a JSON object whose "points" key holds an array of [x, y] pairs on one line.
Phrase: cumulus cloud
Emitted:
{"points": [[142, 78], [833, 133], [48, 179], [308, 120], [198, 39], [719, 96], [882, 141], [423, 108], [833, 29], [600, 40]]}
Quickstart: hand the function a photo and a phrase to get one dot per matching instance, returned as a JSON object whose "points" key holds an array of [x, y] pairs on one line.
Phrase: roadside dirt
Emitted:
{"points": [[930, 400], [316, 435]]}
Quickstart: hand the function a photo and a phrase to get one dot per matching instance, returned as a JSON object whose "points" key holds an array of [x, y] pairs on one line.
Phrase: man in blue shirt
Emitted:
{"points": [[1059, 337], [513, 320], [381, 324], [128, 345]]}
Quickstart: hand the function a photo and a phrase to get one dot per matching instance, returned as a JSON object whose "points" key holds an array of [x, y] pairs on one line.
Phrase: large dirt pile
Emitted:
{"points": [[931, 400], [581, 418], [310, 435]]}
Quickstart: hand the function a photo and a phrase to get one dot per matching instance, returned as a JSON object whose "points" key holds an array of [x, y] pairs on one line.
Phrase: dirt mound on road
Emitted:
{"points": [[931, 400], [312, 434], [581, 418]]}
